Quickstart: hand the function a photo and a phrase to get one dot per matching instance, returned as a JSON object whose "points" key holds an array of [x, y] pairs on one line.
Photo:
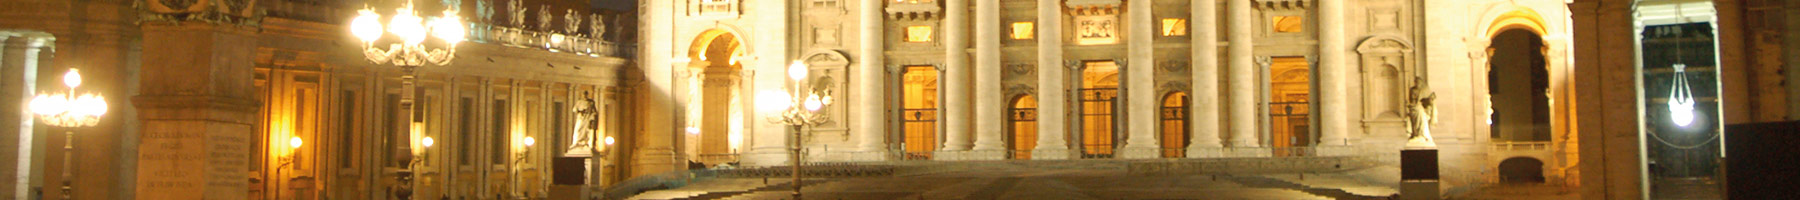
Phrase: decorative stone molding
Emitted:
{"points": [[1173, 66], [1283, 4], [1020, 69], [914, 10], [1014, 90], [1171, 86], [715, 8], [1387, 74]]}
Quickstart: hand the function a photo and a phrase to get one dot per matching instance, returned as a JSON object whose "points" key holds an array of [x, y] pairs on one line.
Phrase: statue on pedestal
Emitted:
{"points": [[1420, 114], [587, 118]]}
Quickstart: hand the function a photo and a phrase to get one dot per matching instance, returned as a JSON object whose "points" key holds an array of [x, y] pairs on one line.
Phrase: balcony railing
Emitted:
{"points": [[554, 42]]}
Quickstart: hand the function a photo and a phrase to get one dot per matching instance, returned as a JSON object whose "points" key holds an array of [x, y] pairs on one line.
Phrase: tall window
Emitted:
{"points": [[1023, 30], [918, 34], [558, 114], [346, 129], [465, 131], [498, 138], [391, 132], [920, 111], [1174, 27]]}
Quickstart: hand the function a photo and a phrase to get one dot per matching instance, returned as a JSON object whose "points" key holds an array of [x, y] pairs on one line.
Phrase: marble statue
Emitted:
{"points": [[587, 119], [1421, 113], [544, 17], [484, 11], [516, 9], [573, 20]]}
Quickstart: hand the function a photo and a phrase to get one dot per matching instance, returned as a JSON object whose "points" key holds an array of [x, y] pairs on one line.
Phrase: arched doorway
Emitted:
{"points": [[1518, 87], [714, 105], [1099, 100], [1021, 127], [1174, 125], [919, 103], [1521, 170]]}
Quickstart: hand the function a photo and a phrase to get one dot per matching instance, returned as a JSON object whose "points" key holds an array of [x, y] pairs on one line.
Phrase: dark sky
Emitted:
{"points": [[620, 5]]}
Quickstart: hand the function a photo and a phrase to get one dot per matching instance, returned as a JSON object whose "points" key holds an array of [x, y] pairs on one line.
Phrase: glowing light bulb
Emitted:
{"points": [[449, 28], [812, 103], [609, 140], [72, 79], [530, 141], [1681, 99], [427, 141], [797, 71], [408, 26], [366, 26], [295, 142]]}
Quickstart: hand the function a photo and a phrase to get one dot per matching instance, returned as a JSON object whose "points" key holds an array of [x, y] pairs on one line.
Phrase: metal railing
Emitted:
{"points": [[1521, 146], [554, 42]]}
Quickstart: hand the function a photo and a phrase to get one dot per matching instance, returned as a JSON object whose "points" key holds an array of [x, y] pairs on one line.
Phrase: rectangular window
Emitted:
{"points": [[918, 34], [465, 131], [498, 141], [1023, 30], [346, 128], [392, 120], [1288, 24], [560, 127], [1174, 27]]}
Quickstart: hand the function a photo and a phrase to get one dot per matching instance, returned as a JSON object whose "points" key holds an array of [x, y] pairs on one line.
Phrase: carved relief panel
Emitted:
{"points": [[715, 8], [1096, 24]]}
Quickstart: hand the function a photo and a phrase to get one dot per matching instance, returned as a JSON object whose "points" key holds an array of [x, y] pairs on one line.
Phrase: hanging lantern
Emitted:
{"points": [[1681, 99]]}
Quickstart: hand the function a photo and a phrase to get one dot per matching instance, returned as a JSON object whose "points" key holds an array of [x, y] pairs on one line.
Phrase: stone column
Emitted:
{"points": [[197, 105], [1140, 82], [1610, 164], [1204, 107], [1242, 75], [1051, 145], [990, 102], [1333, 119], [770, 74], [956, 76], [869, 95]]}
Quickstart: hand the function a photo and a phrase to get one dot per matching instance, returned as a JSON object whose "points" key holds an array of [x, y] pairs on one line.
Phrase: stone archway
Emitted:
{"points": [[715, 105], [1518, 86], [1521, 170]]}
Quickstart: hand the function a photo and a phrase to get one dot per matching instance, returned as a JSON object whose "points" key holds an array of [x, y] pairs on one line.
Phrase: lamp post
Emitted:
{"points": [[68, 110], [411, 51], [529, 141], [797, 108], [294, 144]]}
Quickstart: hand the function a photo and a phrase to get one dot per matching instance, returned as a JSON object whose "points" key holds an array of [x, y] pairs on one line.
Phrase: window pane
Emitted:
{"points": [[1289, 24], [1022, 30], [918, 34], [1174, 27]]}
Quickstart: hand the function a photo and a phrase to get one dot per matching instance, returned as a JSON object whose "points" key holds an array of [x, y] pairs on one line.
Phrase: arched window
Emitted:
{"points": [[1174, 125]]}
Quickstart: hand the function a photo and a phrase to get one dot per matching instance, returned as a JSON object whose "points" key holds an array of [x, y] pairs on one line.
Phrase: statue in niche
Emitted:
{"points": [[573, 20], [517, 11], [544, 17], [1421, 113], [587, 119]]}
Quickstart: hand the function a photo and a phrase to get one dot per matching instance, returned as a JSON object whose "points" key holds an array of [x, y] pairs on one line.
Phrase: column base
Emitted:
{"points": [[988, 154], [1050, 154], [1206, 152], [765, 157], [1140, 152], [1335, 150]]}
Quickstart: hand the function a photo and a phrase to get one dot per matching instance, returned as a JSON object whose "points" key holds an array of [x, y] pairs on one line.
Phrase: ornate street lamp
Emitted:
{"points": [[71, 111], [796, 108], [411, 52]]}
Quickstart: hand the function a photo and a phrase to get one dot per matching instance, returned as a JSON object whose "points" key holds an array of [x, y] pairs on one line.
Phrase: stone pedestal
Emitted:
{"points": [[197, 103], [1419, 173]]}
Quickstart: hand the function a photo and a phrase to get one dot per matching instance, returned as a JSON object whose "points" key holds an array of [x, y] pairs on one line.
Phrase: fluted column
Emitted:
{"points": [[956, 75], [990, 105], [1051, 144], [1332, 115], [868, 96], [1242, 75], [1140, 82], [1205, 95]]}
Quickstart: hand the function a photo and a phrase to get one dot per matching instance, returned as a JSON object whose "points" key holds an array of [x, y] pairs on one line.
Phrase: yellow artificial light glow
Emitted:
{"points": [[295, 142], [609, 141], [797, 71], [408, 26], [426, 141], [530, 141], [773, 101], [449, 28], [812, 103], [366, 26], [72, 79]]}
